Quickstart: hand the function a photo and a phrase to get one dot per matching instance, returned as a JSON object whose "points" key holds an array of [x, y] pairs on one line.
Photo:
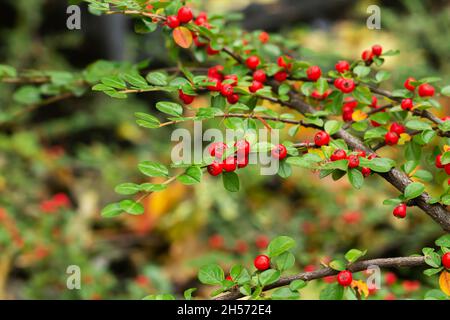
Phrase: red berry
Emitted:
{"points": [[447, 168], [185, 14], [377, 50], [446, 118], [426, 90], [229, 278], [264, 37], [345, 278], [242, 161], [216, 241], [366, 171], [347, 116], [259, 75], [262, 262], [262, 242], [201, 19], [374, 123], [400, 211], [347, 85], [210, 51], [232, 78], [252, 62], [390, 278], [256, 85], [313, 73], [338, 83], [321, 138], [173, 22], [397, 128], [216, 72], [353, 161], [233, 99], [408, 84], [338, 154], [446, 260], [342, 66], [367, 55], [197, 41], [187, 99], [215, 169], [226, 90], [391, 138], [438, 162], [374, 102], [242, 147], [283, 62], [407, 104], [217, 149], [229, 164], [217, 85], [279, 152], [280, 76]]}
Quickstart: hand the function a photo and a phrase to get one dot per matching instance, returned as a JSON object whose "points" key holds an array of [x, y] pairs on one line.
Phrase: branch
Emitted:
{"points": [[325, 272]]}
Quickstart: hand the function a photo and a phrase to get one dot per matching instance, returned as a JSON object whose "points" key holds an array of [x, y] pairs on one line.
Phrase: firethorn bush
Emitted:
{"points": [[354, 118]]}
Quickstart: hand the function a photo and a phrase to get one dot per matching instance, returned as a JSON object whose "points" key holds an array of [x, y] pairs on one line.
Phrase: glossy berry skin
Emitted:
{"points": [[321, 138], [342, 66], [252, 62], [338, 83], [391, 138], [229, 164], [400, 211], [173, 22], [242, 161], [426, 90], [262, 262], [279, 152], [438, 162], [215, 169], [185, 14], [242, 146], [353, 161], [407, 104], [397, 128], [446, 260], [233, 99], [338, 154], [283, 62], [232, 78], [187, 99], [345, 278], [447, 168], [260, 75], [367, 56], [313, 73], [366, 171], [217, 149], [347, 85], [280, 76], [377, 50], [408, 84], [217, 85], [255, 86], [226, 90]]}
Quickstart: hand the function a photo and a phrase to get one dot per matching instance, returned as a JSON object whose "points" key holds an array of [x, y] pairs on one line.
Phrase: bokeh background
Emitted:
{"points": [[83, 147]]}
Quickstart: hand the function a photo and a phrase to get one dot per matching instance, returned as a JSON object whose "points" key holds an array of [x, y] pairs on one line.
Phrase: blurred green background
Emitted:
{"points": [[83, 147]]}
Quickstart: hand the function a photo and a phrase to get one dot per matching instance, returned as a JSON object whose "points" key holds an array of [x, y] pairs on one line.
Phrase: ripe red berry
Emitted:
{"points": [[374, 102], [321, 138], [353, 161], [391, 138], [345, 278], [232, 79], [173, 22], [233, 99], [408, 84], [366, 171], [390, 278], [262, 262], [263, 37], [252, 62], [338, 154], [260, 75], [447, 168], [338, 83], [377, 50], [438, 162], [242, 161], [426, 90], [216, 86], [313, 73], [255, 86], [400, 211], [242, 147], [446, 260], [185, 14], [217, 149], [210, 51], [229, 278], [347, 116], [407, 104], [279, 152], [282, 61], [226, 90], [201, 19], [229, 164], [215, 169], [262, 241], [280, 76], [342, 66], [397, 128], [347, 85], [187, 99], [367, 56]]}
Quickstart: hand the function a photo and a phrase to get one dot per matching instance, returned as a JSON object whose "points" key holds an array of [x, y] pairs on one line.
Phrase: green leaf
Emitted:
{"points": [[377, 164], [413, 190], [432, 271], [135, 80], [246, 290], [157, 78], [284, 169], [354, 254], [418, 125], [322, 85], [279, 245], [127, 188], [382, 75], [151, 187], [297, 285], [443, 241], [144, 26], [153, 169], [433, 259], [339, 265], [114, 82], [171, 108], [435, 294], [332, 126], [285, 261], [231, 181], [332, 292], [363, 95], [269, 276], [423, 175], [111, 210], [446, 91], [131, 207], [211, 274], [188, 293], [284, 294], [191, 176], [159, 297], [356, 178], [361, 71], [146, 120], [27, 95]]}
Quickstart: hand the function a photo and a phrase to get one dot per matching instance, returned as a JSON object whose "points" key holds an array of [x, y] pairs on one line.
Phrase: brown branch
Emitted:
{"points": [[325, 272]]}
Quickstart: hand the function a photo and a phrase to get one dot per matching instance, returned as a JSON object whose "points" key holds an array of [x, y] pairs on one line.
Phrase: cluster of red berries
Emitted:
{"points": [[400, 211], [392, 136], [424, 90], [262, 262], [345, 85], [368, 55], [348, 108], [440, 165], [58, 201], [238, 160], [184, 15], [353, 159], [345, 278]]}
